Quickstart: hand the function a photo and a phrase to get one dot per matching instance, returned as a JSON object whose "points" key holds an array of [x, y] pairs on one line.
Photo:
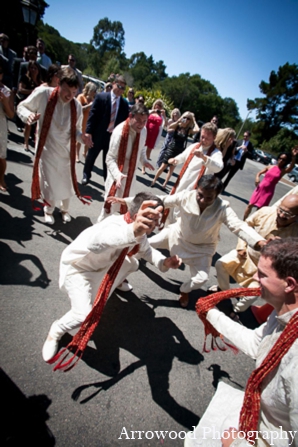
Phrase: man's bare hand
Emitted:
{"points": [[119, 180], [87, 139], [229, 436], [149, 166], [172, 161], [32, 118], [173, 262], [242, 254], [199, 153], [112, 199], [147, 218]]}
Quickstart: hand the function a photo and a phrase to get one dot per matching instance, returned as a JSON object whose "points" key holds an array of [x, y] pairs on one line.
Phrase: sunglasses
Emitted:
{"points": [[120, 87], [287, 214]]}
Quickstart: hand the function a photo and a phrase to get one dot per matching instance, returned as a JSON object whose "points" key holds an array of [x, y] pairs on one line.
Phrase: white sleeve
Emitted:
{"points": [[113, 236], [214, 163], [247, 340], [240, 228], [32, 104]]}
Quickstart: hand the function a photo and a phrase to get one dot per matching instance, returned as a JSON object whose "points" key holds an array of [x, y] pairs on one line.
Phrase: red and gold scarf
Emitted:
{"points": [[121, 161]]}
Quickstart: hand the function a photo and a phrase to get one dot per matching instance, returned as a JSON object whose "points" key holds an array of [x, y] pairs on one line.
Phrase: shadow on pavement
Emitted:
{"points": [[128, 323], [12, 272], [23, 419]]}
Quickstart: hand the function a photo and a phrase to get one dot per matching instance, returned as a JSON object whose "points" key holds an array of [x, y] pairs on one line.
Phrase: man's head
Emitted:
{"points": [[287, 212], [214, 120], [137, 203], [40, 45], [246, 135], [138, 117], [278, 273], [208, 134], [119, 85], [69, 83], [208, 189], [4, 40], [31, 53], [71, 61]]}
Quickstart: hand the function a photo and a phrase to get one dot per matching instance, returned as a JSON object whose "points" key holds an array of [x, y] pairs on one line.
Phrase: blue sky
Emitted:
{"points": [[234, 44]]}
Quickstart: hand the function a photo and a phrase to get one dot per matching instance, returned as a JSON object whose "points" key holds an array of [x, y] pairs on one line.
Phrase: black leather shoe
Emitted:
{"points": [[85, 180]]}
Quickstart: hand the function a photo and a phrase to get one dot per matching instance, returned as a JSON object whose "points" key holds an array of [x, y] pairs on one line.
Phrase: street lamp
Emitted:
{"points": [[243, 124], [29, 9]]}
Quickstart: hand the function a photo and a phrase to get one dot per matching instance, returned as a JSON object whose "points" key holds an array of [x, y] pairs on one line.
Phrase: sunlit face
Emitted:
{"points": [[282, 160], [138, 122], [118, 88], [205, 198], [207, 138], [71, 61], [67, 93], [272, 287], [285, 215]]}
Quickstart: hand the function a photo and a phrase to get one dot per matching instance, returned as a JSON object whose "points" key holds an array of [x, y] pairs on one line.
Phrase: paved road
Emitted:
{"points": [[144, 370]]}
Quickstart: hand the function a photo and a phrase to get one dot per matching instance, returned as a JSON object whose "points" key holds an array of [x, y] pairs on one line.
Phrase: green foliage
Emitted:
{"points": [[144, 71], [279, 106], [283, 141], [108, 36]]}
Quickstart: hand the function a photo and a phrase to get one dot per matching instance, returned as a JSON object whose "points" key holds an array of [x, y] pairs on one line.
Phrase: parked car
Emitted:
{"points": [[100, 84], [263, 157], [293, 175]]}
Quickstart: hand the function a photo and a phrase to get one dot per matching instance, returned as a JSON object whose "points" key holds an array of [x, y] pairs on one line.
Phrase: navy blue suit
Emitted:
{"points": [[97, 124]]}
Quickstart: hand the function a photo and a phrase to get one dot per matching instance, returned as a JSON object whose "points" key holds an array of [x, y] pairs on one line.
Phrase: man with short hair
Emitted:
{"points": [[59, 117], [72, 63], [42, 58], [91, 255], [127, 147], [108, 110], [267, 411], [243, 149], [195, 235], [10, 56], [241, 264]]}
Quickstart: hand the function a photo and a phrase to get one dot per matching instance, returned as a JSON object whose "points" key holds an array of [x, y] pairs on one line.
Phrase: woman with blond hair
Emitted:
{"points": [[156, 121], [186, 125], [85, 99], [175, 115], [226, 143]]}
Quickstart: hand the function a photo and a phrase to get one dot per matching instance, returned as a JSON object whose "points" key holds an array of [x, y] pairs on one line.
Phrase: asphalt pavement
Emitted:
{"points": [[143, 372]]}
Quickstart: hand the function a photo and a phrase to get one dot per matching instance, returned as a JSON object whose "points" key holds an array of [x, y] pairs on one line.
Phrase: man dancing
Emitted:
{"points": [[89, 257]]}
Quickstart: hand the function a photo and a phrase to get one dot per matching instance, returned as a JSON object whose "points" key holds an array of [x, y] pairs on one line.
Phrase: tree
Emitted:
{"points": [[108, 37], [283, 141], [144, 71], [279, 107]]}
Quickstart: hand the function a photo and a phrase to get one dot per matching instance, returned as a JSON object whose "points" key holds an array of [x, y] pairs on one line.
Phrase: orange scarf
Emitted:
{"points": [[35, 187], [182, 172], [121, 161], [250, 411], [81, 339]]}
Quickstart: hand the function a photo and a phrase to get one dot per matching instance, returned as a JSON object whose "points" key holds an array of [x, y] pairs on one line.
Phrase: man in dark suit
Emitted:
{"points": [[243, 148], [108, 110]]}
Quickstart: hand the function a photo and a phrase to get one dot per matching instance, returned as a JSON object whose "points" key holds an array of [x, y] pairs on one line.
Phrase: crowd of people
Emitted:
{"points": [[186, 222]]}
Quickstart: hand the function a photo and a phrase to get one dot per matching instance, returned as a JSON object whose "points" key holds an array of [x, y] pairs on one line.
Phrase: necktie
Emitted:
{"points": [[113, 116]]}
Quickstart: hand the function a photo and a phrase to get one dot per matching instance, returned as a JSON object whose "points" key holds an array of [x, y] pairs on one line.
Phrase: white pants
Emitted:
{"points": [[82, 289], [64, 205], [199, 267], [223, 279]]}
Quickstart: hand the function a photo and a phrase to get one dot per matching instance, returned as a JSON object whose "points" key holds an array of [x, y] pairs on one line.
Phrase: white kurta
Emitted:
{"points": [[54, 168], [213, 164], [279, 396], [194, 236], [88, 258], [112, 164]]}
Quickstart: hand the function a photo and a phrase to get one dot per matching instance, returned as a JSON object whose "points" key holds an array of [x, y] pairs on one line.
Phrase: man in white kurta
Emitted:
{"points": [[137, 121], [195, 235], [54, 168], [88, 258], [278, 418], [241, 263], [213, 163]]}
